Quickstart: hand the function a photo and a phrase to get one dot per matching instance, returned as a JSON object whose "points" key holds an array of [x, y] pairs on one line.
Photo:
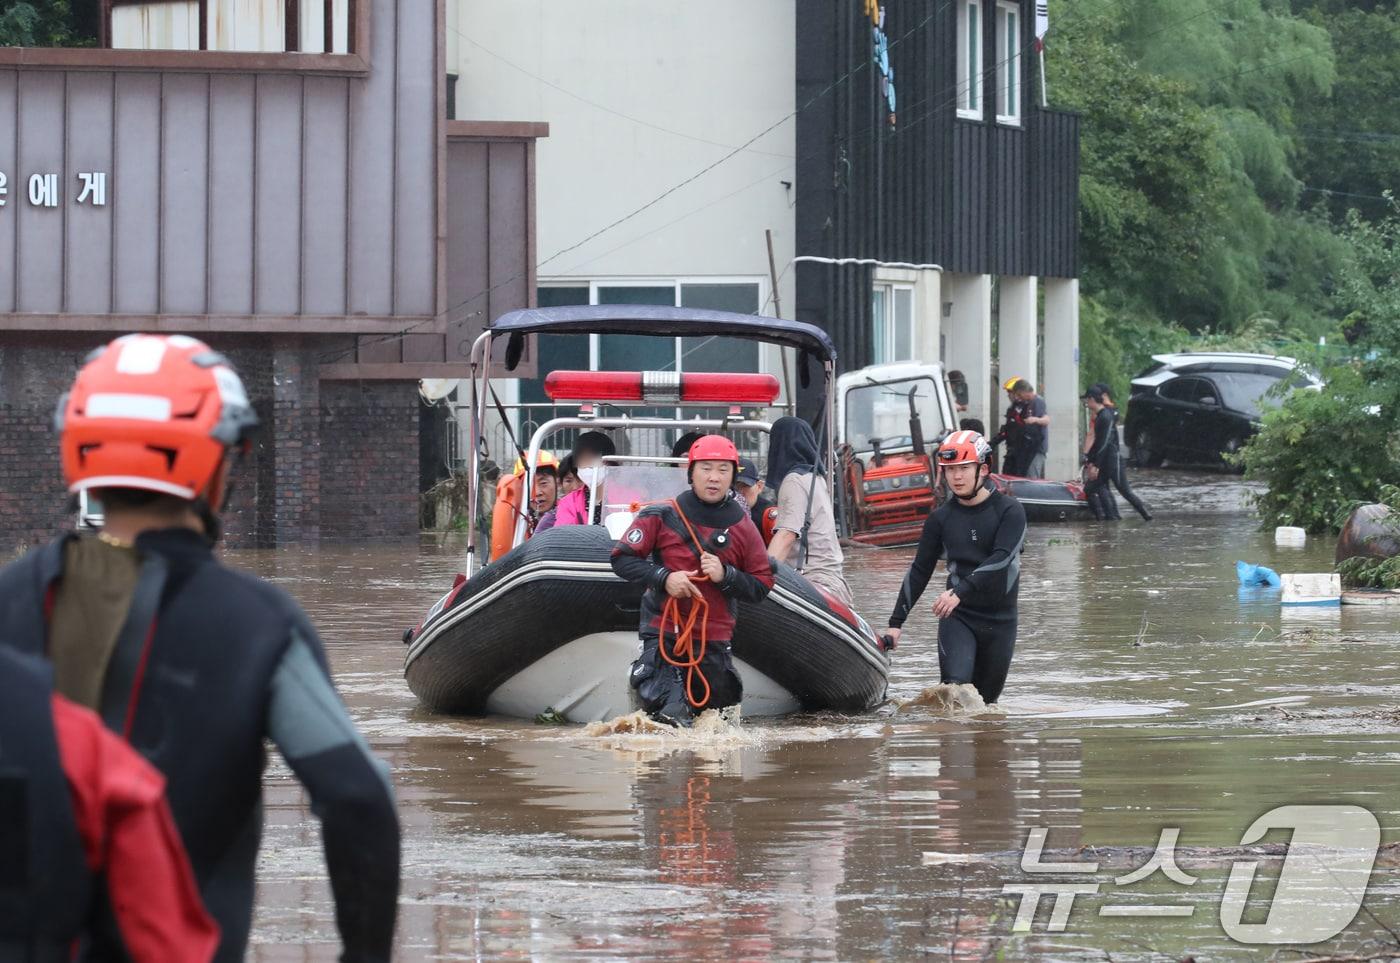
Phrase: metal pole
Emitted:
{"points": [[1044, 94], [778, 313]]}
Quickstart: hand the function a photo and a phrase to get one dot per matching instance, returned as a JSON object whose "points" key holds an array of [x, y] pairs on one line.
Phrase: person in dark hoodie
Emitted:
{"points": [[698, 555], [805, 529], [196, 665]]}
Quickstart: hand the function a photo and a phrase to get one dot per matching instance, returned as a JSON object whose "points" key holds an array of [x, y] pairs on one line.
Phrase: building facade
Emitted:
{"points": [[921, 140], [279, 178], [640, 100]]}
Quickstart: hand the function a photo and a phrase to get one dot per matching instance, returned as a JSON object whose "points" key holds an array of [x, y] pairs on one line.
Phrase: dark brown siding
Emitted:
{"points": [[975, 197]]}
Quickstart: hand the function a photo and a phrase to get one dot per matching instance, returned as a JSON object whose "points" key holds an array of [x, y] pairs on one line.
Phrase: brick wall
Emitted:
{"points": [[369, 459], [333, 460]]}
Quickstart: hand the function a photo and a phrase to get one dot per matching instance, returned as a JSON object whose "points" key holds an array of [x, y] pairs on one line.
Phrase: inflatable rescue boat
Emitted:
{"points": [[547, 628]]}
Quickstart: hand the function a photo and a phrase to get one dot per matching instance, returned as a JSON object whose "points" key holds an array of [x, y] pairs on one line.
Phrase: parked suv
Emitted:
{"points": [[1200, 406]]}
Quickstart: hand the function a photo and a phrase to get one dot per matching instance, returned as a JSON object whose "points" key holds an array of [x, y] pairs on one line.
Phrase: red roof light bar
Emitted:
{"points": [[663, 387]]}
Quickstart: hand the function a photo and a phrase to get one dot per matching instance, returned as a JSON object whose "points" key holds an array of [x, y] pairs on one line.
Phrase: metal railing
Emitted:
{"points": [[525, 420]]}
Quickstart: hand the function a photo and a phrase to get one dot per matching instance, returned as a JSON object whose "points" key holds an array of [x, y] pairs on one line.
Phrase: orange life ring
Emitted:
{"points": [[504, 516]]}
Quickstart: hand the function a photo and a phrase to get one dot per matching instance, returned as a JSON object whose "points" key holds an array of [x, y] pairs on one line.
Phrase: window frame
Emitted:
{"points": [[356, 63], [1009, 74], [676, 282], [970, 87], [291, 28], [884, 350]]}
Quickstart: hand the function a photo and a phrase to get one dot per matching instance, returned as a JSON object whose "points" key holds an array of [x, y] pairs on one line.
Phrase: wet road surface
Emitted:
{"points": [[1148, 692]]}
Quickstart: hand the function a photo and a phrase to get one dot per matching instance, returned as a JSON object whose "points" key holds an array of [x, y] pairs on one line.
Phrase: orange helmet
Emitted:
{"points": [[156, 413], [964, 448], [544, 459], [714, 448]]}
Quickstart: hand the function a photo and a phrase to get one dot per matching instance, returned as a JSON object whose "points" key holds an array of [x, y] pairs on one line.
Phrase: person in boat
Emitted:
{"points": [[511, 503], [681, 448], [1012, 430], [567, 481], [698, 555], [546, 490], [982, 532], [589, 451], [749, 488], [88, 816], [1035, 429], [805, 527], [195, 665], [1103, 459]]}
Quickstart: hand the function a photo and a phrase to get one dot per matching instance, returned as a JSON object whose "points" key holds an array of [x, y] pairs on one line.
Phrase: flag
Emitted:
{"points": [[1042, 23]]}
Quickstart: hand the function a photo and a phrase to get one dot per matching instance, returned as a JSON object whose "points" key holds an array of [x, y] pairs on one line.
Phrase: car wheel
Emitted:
{"points": [[1145, 452]]}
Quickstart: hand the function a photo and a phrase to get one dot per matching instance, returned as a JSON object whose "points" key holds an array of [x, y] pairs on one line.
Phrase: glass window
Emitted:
{"points": [[1180, 389], [260, 26], [720, 354], [892, 323], [903, 324], [880, 323], [557, 352], [1009, 63], [1250, 394], [882, 412], [633, 352], [970, 58]]}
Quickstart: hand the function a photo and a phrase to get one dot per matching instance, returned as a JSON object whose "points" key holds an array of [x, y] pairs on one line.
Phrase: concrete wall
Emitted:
{"points": [[639, 98]]}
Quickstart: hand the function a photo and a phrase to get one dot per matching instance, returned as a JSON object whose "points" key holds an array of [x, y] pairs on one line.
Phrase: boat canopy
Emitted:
{"points": [[658, 321]]}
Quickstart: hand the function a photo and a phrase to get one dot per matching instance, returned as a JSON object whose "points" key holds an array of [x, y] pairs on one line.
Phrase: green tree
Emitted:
{"points": [[1323, 451], [47, 23]]}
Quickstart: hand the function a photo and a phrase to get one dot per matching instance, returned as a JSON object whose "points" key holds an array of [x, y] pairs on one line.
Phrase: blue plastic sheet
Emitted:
{"points": [[1257, 575]]}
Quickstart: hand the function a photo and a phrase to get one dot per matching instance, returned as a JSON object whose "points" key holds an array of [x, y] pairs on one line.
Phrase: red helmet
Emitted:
{"points": [[714, 448], [964, 448], [153, 412]]}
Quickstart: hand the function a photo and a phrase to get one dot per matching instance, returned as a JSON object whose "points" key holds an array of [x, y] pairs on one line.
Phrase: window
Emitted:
{"points": [[1008, 63], [1180, 389], [892, 321], [882, 412], [970, 59], [609, 352], [311, 26], [1250, 394]]}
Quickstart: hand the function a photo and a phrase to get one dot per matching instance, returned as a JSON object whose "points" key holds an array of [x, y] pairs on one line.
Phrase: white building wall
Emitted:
{"points": [[640, 98]]}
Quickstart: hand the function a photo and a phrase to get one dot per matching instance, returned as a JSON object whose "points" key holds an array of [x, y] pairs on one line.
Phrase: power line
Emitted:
{"points": [[603, 107]]}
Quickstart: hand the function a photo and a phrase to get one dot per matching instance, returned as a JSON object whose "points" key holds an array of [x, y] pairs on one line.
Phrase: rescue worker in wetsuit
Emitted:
{"points": [[763, 507], [1012, 430], [81, 812], [1104, 460], [982, 533], [197, 665], [698, 555]]}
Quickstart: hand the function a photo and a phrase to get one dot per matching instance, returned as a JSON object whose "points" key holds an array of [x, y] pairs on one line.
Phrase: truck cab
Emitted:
{"points": [[887, 418]]}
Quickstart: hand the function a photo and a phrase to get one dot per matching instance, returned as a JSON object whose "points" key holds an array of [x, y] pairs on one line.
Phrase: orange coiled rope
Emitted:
{"points": [[687, 652]]}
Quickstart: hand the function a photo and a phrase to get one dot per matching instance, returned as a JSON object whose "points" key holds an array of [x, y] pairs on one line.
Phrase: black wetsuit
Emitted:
{"points": [[1013, 433], [983, 546], [208, 665], [1107, 458]]}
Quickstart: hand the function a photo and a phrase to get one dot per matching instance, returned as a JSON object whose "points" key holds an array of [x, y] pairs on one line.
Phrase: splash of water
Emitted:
{"points": [[955, 701]]}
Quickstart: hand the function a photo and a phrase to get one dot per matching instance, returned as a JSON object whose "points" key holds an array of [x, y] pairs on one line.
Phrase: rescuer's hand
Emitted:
{"points": [[893, 633], [712, 567], [945, 604], [678, 585]]}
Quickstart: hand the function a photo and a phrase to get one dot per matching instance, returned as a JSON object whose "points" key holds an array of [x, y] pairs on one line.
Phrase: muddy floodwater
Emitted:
{"points": [[1148, 692]]}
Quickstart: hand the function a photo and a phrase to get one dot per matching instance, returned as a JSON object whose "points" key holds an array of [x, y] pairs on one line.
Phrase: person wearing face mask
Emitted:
{"points": [[982, 533], [698, 555], [577, 508]]}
